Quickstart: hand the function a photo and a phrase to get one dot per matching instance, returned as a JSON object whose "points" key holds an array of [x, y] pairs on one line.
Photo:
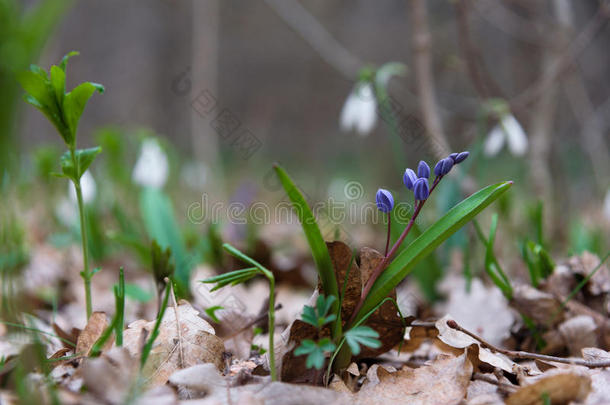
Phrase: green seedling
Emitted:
{"points": [[47, 92], [241, 276]]}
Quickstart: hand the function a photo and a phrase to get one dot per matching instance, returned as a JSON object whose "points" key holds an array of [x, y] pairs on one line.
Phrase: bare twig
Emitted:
{"points": [[483, 83], [508, 388], [314, 33], [421, 43], [527, 355]]}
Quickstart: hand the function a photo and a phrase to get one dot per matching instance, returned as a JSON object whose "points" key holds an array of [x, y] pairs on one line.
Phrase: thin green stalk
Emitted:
{"points": [[272, 326], [269, 275], [81, 210], [155, 331], [119, 293]]}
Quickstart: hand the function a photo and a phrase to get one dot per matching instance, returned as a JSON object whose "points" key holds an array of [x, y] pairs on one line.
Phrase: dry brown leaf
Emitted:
{"points": [[578, 333], [460, 340], [95, 327], [108, 378], [193, 343], [443, 381], [540, 306], [204, 378], [584, 265], [560, 387]]}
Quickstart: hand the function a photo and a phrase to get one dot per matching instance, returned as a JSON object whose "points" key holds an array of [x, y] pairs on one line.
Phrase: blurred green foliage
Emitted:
{"points": [[24, 30]]}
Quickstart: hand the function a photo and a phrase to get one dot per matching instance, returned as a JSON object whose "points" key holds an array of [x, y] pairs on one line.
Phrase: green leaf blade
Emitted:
{"points": [[313, 235], [75, 101], [452, 221]]}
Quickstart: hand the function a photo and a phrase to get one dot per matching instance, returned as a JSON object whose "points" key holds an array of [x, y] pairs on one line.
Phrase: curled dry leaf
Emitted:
{"points": [[578, 333], [460, 340], [561, 387], [185, 339], [543, 308], [584, 265], [443, 381], [108, 378], [95, 327]]}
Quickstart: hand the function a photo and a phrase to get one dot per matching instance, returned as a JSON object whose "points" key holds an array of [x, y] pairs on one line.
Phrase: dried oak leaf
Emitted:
{"points": [[185, 339], [442, 381], [96, 325], [561, 387], [460, 340], [543, 308], [385, 320]]}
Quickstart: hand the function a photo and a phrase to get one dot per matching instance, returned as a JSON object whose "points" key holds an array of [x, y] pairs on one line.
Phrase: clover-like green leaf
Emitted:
{"points": [[362, 336], [316, 352]]}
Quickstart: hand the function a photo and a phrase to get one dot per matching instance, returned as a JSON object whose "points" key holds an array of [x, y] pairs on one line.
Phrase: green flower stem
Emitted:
{"points": [[271, 324], [86, 274]]}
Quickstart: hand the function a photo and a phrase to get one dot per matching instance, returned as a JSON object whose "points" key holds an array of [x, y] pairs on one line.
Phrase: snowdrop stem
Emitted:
{"points": [[86, 274]]}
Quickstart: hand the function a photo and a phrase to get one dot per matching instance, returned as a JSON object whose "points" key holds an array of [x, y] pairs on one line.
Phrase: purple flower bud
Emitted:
{"points": [[385, 201], [461, 157], [421, 189], [453, 155], [423, 170], [409, 178], [443, 166]]}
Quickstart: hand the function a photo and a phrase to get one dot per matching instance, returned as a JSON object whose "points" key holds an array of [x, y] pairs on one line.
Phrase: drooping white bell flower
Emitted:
{"points": [[88, 188], [509, 130], [152, 167], [359, 112]]}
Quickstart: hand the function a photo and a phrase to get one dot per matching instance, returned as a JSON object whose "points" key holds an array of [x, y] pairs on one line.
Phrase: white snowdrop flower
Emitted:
{"points": [[152, 167], [510, 130], [88, 188], [359, 112]]}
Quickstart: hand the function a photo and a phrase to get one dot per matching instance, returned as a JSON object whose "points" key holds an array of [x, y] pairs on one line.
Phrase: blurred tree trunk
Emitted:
{"points": [[204, 73]]}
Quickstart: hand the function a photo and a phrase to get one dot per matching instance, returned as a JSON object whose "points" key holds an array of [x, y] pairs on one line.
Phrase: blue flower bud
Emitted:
{"points": [[423, 170], [385, 201], [461, 157], [443, 166], [453, 155], [421, 189], [409, 178]]}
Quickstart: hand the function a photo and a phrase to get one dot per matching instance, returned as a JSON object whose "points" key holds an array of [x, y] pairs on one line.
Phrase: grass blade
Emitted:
{"points": [[317, 245]]}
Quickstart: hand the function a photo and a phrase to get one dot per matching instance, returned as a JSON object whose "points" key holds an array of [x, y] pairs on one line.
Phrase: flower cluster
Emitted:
{"points": [[419, 182]]}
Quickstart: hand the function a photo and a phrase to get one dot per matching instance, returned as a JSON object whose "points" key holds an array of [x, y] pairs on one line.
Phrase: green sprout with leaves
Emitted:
{"points": [[241, 276], [47, 92]]}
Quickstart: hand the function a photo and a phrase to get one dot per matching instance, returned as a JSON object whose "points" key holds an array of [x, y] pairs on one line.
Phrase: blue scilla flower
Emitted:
{"points": [[385, 201], [409, 178], [423, 170], [443, 166], [421, 189], [459, 157]]}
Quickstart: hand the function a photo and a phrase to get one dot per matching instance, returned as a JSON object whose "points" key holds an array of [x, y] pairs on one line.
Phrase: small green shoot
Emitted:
{"points": [[492, 266], [317, 317], [241, 276], [47, 92], [155, 331], [211, 312], [316, 352]]}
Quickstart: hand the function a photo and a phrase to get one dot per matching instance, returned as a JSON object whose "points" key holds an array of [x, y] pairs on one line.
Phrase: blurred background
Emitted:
{"points": [[338, 92]]}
